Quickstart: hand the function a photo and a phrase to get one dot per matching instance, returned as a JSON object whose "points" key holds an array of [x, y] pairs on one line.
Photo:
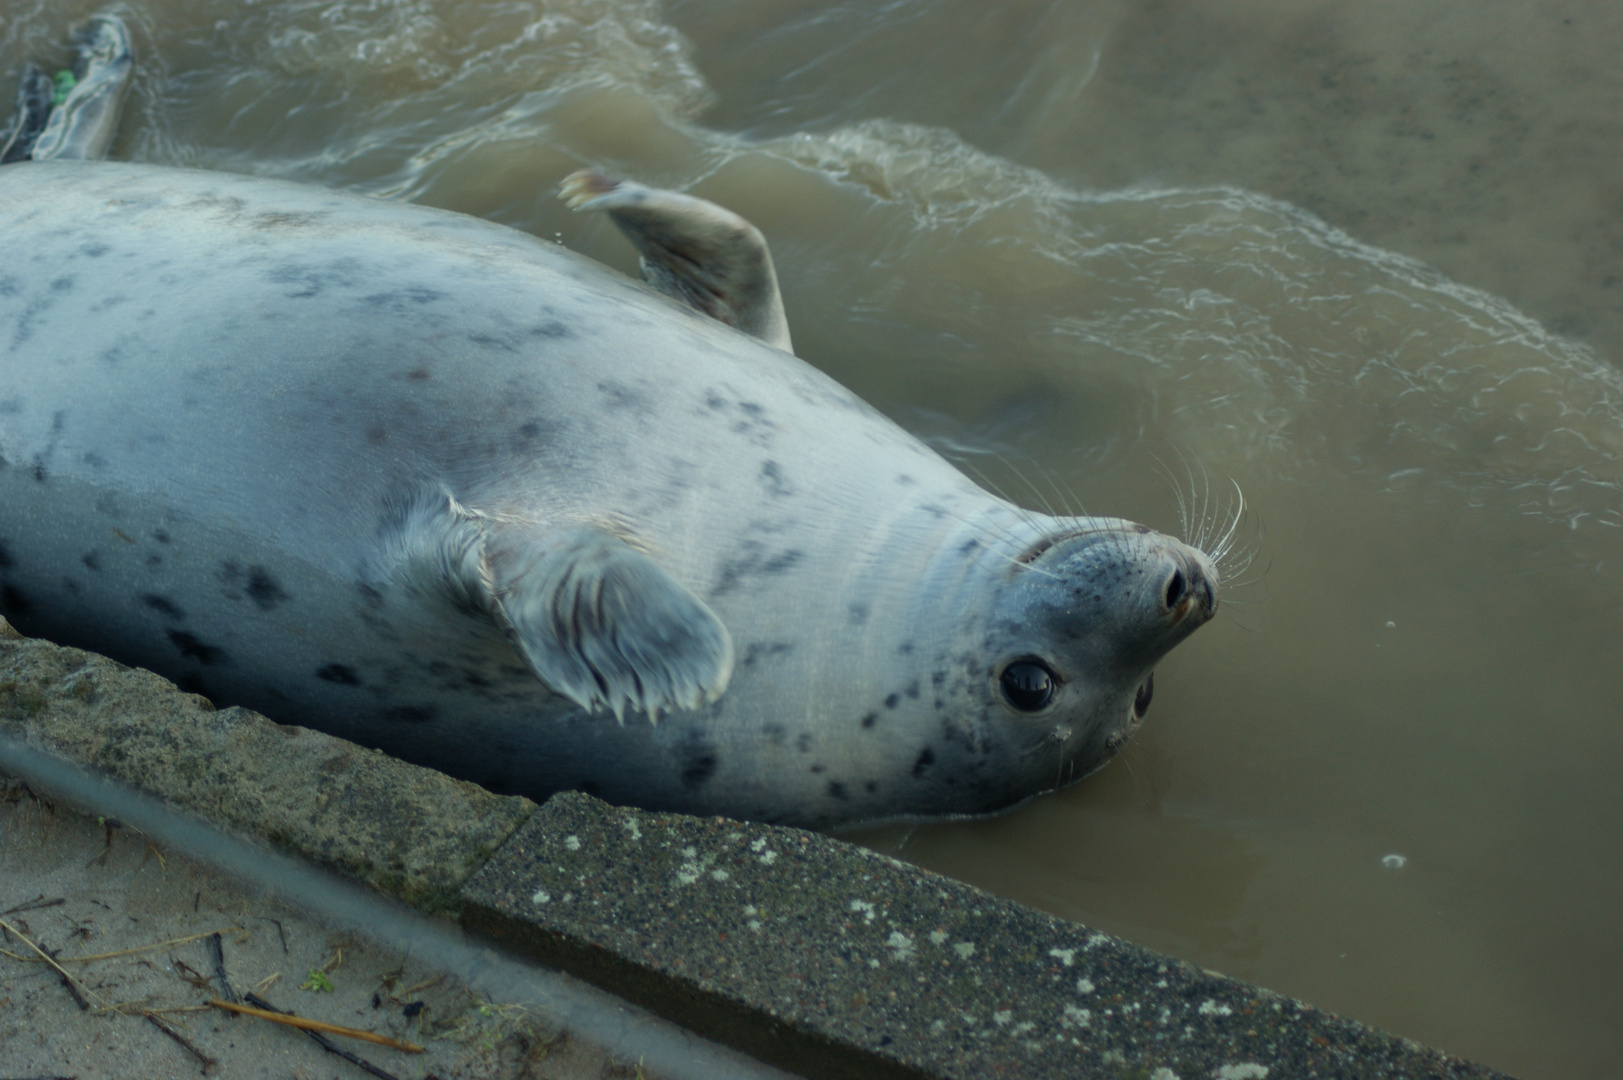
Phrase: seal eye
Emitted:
{"points": [[1028, 685], [1141, 701]]}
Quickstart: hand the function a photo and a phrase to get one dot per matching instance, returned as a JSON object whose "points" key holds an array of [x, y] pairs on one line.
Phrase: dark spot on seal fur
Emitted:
{"points": [[871, 786], [193, 649], [892, 700], [376, 435], [417, 374], [154, 561], [870, 720], [92, 561], [905, 647], [819, 767], [5, 558], [621, 396], [554, 329], [757, 649], [369, 596], [415, 294], [264, 589], [782, 561], [64, 284], [410, 714], [857, 614], [697, 770], [836, 790], [39, 469], [912, 690], [340, 674], [925, 759], [772, 476], [803, 742], [13, 601], [164, 605], [312, 281], [160, 536]]}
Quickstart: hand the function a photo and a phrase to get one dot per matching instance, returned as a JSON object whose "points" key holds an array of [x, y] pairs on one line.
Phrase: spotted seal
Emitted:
{"points": [[442, 488]]}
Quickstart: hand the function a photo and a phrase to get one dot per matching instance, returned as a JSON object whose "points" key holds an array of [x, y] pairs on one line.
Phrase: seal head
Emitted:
{"points": [[1065, 619]]}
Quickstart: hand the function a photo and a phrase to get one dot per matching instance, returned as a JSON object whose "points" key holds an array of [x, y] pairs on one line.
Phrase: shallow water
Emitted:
{"points": [[1066, 241]]}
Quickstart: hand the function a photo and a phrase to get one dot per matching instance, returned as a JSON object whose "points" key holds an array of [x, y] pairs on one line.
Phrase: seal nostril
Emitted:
{"points": [[1141, 700], [1175, 589]]}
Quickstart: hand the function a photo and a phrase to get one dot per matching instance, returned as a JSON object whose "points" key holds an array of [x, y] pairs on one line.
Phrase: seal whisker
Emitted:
{"points": [[1048, 507]]}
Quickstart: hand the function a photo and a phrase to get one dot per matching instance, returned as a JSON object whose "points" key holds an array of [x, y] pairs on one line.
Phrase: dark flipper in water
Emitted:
{"points": [[35, 95], [80, 126], [694, 251]]}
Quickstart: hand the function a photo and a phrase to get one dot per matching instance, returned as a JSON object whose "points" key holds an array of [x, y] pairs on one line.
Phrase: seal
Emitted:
{"points": [[445, 489]]}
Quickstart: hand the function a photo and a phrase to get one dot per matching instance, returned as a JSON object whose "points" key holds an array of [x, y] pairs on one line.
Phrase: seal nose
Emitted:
{"points": [[1188, 587]]}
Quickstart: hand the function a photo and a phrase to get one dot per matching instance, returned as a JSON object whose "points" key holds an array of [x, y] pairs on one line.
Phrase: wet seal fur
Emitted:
{"points": [[442, 488]]}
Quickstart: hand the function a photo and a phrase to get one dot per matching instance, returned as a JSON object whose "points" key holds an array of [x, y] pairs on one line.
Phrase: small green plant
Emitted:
{"points": [[316, 982]]}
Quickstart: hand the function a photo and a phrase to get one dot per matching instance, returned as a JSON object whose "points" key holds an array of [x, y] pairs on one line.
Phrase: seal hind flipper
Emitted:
{"points": [[692, 250], [83, 125], [601, 623]]}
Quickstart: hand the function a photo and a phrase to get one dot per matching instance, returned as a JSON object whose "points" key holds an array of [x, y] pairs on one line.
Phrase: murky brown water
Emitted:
{"points": [[1045, 235]]}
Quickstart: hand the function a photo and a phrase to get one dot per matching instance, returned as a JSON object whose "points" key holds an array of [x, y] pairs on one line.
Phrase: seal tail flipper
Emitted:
{"points": [[694, 251], [82, 125], [35, 95]]}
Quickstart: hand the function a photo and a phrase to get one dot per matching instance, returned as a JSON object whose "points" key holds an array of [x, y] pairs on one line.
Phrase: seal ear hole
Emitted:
{"points": [[1028, 684], [1176, 586], [1141, 700]]}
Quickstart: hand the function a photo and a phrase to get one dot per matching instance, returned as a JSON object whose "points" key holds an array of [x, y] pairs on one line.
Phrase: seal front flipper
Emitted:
{"points": [[598, 621], [694, 251], [601, 622]]}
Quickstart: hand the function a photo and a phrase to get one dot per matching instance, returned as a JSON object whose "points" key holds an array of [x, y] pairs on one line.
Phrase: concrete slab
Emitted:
{"points": [[409, 832], [815, 955], [839, 962]]}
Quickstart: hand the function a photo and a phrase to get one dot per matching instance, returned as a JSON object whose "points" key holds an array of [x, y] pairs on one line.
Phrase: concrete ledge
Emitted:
{"points": [[815, 955], [834, 961], [409, 832]]}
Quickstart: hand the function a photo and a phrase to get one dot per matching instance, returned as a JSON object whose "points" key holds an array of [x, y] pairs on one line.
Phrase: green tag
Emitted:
{"points": [[65, 82]]}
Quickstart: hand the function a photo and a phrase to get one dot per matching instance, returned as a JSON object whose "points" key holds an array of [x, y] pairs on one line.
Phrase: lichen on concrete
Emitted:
{"points": [[835, 961], [410, 832]]}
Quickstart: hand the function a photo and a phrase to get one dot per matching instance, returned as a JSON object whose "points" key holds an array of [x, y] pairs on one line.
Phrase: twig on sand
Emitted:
{"points": [[265, 1012], [69, 981], [35, 904], [208, 1062], [219, 968], [330, 1046], [143, 948]]}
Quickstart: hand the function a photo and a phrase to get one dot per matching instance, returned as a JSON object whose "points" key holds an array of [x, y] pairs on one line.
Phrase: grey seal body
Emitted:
{"points": [[444, 489]]}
